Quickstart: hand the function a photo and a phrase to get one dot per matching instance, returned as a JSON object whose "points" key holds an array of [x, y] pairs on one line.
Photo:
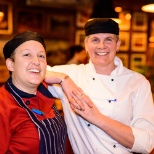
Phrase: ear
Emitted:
{"points": [[9, 64], [85, 44], [118, 45]]}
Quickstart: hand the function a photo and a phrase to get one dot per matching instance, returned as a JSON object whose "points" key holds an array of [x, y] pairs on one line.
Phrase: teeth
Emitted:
{"points": [[101, 53], [34, 70]]}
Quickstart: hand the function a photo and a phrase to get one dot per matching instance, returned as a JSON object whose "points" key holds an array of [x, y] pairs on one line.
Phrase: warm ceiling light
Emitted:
{"points": [[118, 9], [128, 16], [151, 39], [148, 6], [1, 14]]}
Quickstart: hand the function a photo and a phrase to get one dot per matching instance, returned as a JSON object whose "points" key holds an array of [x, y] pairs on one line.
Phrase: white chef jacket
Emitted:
{"points": [[124, 96]]}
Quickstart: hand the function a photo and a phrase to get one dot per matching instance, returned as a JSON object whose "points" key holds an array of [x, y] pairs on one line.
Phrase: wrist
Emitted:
{"points": [[64, 78]]}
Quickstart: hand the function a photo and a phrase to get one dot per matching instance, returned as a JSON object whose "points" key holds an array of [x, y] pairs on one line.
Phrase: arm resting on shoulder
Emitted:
{"points": [[74, 94]]}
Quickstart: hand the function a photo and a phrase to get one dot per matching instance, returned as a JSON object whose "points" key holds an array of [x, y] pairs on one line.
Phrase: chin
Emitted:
{"points": [[36, 82]]}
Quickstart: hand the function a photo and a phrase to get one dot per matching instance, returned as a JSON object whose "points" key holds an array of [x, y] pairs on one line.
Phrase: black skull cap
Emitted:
{"points": [[17, 40], [101, 25]]}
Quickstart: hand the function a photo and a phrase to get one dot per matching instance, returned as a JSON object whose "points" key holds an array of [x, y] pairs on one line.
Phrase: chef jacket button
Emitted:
{"points": [[114, 146], [112, 79], [93, 78], [27, 102], [88, 125]]}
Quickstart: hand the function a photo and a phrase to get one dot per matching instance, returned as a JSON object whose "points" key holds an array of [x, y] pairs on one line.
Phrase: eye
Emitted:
{"points": [[109, 39], [42, 56], [27, 54], [95, 40]]}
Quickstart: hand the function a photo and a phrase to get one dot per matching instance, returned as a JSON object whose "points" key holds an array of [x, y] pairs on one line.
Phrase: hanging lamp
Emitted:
{"points": [[148, 6], [104, 9]]}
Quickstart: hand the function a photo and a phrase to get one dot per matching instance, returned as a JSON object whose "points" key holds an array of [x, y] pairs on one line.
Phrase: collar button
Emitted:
{"points": [[27, 102]]}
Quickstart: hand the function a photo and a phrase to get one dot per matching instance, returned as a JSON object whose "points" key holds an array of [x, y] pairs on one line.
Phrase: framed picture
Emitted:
{"points": [[79, 37], [125, 58], [60, 25], [6, 21], [82, 17], [139, 21], [125, 18], [139, 42], [151, 35], [125, 39], [150, 54], [3, 69], [30, 20], [2, 43], [138, 61]]}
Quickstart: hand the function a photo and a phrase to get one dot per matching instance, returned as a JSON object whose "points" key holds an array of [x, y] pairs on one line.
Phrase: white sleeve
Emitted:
{"points": [[57, 91], [142, 123]]}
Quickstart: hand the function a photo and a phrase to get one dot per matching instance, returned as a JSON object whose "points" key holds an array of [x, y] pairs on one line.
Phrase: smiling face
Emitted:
{"points": [[102, 48], [28, 66]]}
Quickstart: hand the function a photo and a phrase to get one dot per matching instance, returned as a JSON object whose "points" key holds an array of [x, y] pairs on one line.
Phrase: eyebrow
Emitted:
{"points": [[110, 37]]}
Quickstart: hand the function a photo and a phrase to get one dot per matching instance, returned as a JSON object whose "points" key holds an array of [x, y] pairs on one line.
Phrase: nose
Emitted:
{"points": [[36, 60], [101, 45]]}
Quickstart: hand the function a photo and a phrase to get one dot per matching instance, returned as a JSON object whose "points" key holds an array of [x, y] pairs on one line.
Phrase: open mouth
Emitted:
{"points": [[34, 71], [101, 53]]}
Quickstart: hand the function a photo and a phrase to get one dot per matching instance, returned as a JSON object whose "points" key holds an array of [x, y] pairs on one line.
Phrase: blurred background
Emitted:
{"points": [[61, 23]]}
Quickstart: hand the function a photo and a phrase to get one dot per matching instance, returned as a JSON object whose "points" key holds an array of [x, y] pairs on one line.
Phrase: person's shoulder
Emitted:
{"points": [[135, 75], [2, 89], [67, 66], [75, 66], [67, 69], [5, 96]]}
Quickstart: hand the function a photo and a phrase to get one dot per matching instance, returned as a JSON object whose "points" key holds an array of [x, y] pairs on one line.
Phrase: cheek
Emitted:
{"points": [[113, 48], [91, 51], [44, 63], [91, 48], [19, 64], [44, 66]]}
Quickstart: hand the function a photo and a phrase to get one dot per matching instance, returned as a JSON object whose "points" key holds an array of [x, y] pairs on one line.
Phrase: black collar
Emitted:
{"points": [[41, 88]]}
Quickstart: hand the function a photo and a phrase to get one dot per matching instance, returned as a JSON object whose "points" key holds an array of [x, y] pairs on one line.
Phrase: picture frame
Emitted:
{"points": [[82, 16], [139, 21], [60, 26], [138, 61], [30, 20], [124, 58], [6, 21], [79, 37], [3, 69], [139, 42], [125, 17], [151, 32], [125, 41], [2, 43], [150, 54]]}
